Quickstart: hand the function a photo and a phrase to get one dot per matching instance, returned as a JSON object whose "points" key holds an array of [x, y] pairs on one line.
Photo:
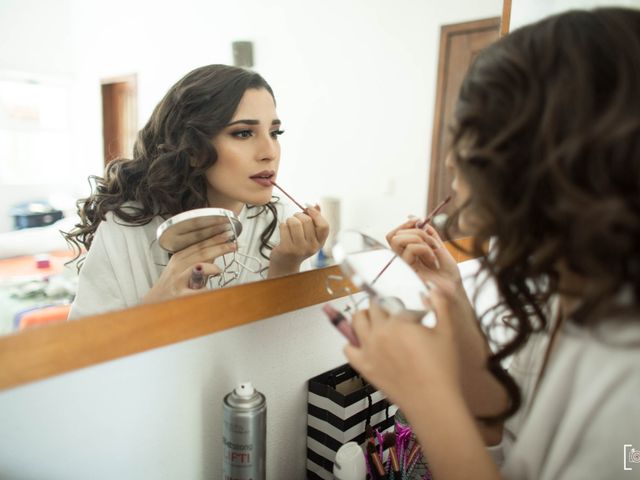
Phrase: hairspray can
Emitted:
{"points": [[244, 434]]}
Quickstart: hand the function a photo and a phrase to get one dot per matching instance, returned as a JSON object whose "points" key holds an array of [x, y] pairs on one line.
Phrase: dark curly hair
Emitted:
{"points": [[547, 135], [171, 155]]}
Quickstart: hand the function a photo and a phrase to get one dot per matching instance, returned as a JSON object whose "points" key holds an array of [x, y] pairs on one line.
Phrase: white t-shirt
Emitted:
{"points": [[586, 408], [125, 261]]}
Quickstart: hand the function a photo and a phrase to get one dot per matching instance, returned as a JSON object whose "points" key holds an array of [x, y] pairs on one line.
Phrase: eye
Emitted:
{"points": [[276, 133], [242, 134]]}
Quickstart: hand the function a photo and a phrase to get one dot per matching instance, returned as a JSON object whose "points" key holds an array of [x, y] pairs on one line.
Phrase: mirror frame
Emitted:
{"points": [[506, 17], [43, 352]]}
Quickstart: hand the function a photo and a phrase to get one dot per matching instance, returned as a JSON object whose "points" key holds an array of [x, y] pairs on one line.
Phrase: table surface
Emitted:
{"points": [[21, 270], [26, 265]]}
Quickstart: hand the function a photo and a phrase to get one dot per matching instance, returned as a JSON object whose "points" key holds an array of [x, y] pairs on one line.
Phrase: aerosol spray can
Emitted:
{"points": [[244, 434]]}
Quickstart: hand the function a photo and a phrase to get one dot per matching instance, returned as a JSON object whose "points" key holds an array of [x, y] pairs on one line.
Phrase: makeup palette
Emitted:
{"points": [[190, 227]]}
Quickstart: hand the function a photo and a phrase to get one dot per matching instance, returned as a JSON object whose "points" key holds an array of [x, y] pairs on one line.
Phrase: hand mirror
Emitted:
{"points": [[192, 226], [382, 274]]}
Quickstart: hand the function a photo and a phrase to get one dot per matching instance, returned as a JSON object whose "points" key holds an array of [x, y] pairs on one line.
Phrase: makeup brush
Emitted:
{"points": [[370, 435], [413, 457], [419, 225], [377, 469], [390, 443], [290, 197]]}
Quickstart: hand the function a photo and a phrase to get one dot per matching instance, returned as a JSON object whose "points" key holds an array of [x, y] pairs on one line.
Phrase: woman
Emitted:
{"points": [[211, 142], [546, 161]]}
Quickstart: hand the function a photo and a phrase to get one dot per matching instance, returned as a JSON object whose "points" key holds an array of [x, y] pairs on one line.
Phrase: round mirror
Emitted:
{"points": [[381, 273], [188, 228]]}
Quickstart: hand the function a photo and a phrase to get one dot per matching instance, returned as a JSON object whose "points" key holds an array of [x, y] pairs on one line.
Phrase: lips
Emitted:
{"points": [[264, 174], [264, 178]]}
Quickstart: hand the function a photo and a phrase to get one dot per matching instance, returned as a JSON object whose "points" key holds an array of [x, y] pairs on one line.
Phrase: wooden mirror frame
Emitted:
{"points": [[506, 17], [43, 352]]}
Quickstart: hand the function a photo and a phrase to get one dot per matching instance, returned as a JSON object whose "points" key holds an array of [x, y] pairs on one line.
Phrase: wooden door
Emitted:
{"points": [[119, 117], [459, 44]]}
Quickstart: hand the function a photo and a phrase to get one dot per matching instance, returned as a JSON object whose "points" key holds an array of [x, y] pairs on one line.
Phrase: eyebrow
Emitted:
{"points": [[253, 122]]}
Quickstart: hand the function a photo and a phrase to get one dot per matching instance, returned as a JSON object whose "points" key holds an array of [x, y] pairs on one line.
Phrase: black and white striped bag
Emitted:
{"points": [[340, 404]]}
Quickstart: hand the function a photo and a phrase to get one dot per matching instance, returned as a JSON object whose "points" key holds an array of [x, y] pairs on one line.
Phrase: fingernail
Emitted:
{"points": [[228, 234], [412, 217], [437, 264], [430, 285]]}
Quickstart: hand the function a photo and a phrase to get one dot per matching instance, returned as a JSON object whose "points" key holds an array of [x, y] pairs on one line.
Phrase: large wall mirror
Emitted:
{"points": [[355, 85]]}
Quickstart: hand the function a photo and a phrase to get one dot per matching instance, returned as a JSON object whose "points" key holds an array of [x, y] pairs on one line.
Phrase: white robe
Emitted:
{"points": [[125, 261], [586, 409]]}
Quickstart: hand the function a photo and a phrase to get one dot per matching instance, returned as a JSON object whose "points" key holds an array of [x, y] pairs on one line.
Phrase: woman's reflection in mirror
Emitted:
{"points": [[212, 141]]}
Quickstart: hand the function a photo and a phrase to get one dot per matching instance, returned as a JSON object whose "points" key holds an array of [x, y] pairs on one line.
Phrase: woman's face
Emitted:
{"points": [[248, 154], [462, 192]]}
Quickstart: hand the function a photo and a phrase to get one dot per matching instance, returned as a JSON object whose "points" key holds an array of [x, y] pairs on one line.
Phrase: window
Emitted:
{"points": [[35, 138]]}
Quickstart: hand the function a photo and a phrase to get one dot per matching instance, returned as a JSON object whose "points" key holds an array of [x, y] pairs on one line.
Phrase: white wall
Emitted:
{"points": [[355, 82], [527, 11], [35, 38]]}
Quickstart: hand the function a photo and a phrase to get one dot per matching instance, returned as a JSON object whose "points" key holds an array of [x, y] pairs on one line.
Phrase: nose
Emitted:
{"points": [[269, 149]]}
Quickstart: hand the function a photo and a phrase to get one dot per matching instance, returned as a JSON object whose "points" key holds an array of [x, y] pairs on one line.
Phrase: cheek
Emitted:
{"points": [[467, 219], [460, 191], [218, 172], [225, 155], [211, 176], [454, 184], [226, 163]]}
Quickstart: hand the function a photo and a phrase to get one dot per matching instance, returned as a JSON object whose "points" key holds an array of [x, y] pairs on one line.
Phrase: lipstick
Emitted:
{"points": [[433, 213], [290, 197], [419, 225], [341, 323]]}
